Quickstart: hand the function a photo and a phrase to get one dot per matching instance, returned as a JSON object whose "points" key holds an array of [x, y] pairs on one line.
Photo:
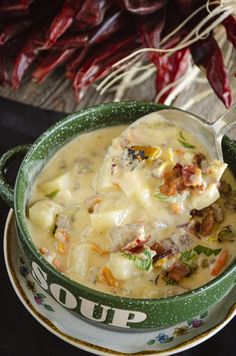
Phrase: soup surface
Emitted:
{"points": [[140, 212]]}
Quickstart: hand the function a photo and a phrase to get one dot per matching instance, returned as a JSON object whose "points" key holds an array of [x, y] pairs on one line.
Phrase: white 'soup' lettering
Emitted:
{"points": [[90, 310], [39, 275]]}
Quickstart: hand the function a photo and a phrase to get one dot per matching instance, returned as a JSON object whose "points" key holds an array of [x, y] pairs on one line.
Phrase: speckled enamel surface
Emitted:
{"points": [[161, 312], [104, 341]]}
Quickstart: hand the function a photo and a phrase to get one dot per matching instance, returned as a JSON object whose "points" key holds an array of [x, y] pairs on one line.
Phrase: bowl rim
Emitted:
{"points": [[25, 235]]}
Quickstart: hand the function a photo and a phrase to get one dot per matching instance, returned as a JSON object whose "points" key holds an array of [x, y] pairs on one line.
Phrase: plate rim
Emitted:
{"points": [[84, 345]]}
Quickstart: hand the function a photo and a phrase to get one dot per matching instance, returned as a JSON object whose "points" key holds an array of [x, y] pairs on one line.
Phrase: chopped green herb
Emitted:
{"points": [[161, 197], [165, 198], [188, 255], [52, 194], [186, 144], [140, 262], [183, 141], [206, 250], [182, 136]]}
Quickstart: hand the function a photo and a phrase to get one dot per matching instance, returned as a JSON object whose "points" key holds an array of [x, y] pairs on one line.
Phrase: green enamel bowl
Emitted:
{"points": [[105, 309]]}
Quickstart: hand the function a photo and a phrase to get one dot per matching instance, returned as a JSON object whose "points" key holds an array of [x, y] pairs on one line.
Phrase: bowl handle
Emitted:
{"points": [[6, 190]]}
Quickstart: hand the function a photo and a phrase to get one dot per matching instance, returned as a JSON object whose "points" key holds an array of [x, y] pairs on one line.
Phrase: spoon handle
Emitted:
{"points": [[221, 126], [224, 122]]}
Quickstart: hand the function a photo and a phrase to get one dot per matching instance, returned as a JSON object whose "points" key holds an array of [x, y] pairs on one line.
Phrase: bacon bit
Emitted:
{"points": [[207, 224], [188, 172], [220, 263], [62, 235], [194, 228], [168, 189], [176, 208], [43, 250], [178, 170], [217, 212], [178, 271], [181, 178], [97, 249], [61, 248], [136, 246], [172, 181], [196, 212], [198, 158], [160, 250], [110, 279], [57, 264]]}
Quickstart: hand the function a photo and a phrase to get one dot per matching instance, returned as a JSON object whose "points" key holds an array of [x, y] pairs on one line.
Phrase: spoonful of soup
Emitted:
{"points": [[169, 156]]}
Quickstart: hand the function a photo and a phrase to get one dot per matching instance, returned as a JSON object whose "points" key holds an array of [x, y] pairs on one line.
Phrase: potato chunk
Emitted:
{"points": [[43, 214], [134, 183], [102, 221], [122, 267], [60, 182], [210, 195]]}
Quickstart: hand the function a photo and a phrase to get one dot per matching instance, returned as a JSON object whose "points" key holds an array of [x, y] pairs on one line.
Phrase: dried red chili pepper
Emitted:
{"points": [[169, 69], [14, 5], [38, 12], [91, 14], [49, 62], [72, 41], [151, 27], [62, 21], [206, 53], [73, 65], [3, 68], [144, 7], [13, 30], [114, 21], [230, 26], [30, 50], [100, 62]]}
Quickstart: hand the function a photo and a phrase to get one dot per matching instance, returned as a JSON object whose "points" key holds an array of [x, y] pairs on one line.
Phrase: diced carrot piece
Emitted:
{"points": [[43, 250], [98, 249], [110, 279], [57, 264], [220, 263]]}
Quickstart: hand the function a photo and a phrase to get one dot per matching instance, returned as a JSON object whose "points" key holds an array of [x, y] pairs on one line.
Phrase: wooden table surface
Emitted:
{"points": [[56, 94]]}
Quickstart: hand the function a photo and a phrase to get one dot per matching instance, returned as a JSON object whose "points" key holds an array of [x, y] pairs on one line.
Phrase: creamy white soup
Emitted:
{"points": [[141, 211]]}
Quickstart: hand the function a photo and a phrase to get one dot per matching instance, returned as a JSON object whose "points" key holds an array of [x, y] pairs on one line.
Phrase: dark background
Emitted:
{"points": [[20, 333]]}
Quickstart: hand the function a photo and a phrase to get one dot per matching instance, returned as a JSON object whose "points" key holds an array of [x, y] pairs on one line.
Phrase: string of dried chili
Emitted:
{"points": [[99, 63], [230, 26], [151, 26], [207, 54], [144, 7], [62, 21], [91, 14], [169, 69], [49, 62]]}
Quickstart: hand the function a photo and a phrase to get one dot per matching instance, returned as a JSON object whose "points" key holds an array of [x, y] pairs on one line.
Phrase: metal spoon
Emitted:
{"points": [[210, 134]]}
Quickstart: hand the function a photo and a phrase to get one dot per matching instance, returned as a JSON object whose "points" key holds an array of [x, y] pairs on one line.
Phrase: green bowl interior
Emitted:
{"points": [[56, 136]]}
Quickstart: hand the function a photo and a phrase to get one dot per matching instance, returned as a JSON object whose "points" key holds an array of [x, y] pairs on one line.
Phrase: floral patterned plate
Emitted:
{"points": [[100, 340]]}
